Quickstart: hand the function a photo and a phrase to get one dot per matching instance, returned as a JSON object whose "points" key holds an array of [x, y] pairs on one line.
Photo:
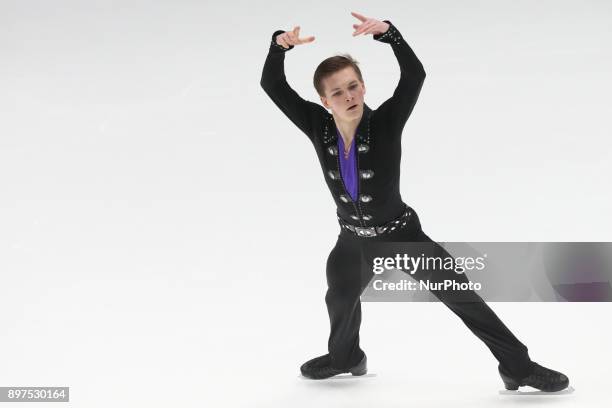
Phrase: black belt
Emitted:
{"points": [[386, 228]]}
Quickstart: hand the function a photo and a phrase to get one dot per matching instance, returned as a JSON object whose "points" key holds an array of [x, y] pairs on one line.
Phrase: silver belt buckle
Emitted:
{"points": [[365, 232]]}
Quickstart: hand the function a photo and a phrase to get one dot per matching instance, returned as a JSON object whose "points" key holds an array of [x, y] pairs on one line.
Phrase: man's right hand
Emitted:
{"points": [[289, 38]]}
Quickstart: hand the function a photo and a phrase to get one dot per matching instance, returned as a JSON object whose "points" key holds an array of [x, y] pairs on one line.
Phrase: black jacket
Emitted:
{"points": [[378, 134]]}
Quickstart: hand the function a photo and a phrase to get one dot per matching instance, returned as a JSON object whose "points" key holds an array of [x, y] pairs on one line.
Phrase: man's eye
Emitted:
{"points": [[353, 86], [337, 93]]}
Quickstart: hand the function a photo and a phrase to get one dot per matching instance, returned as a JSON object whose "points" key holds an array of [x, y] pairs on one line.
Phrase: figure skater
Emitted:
{"points": [[359, 150]]}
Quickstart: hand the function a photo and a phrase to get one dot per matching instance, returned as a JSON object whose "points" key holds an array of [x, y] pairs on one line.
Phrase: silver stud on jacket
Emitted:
{"points": [[334, 174], [363, 148], [333, 150], [366, 174]]}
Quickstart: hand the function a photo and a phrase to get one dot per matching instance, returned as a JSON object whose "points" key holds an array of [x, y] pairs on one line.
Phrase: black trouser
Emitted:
{"points": [[346, 280]]}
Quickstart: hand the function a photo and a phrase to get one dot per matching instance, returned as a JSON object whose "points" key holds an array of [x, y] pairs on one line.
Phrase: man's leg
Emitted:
{"points": [[345, 285], [477, 315], [515, 366]]}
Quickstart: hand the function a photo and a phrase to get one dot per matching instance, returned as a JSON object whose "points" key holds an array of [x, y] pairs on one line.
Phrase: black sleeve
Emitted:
{"points": [[397, 109], [304, 114]]}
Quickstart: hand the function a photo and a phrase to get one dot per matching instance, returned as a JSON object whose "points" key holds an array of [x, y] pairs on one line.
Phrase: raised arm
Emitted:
{"points": [[304, 114], [398, 108]]}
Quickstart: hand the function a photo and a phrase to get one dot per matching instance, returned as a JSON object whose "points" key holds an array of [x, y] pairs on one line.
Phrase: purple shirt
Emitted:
{"points": [[348, 167]]}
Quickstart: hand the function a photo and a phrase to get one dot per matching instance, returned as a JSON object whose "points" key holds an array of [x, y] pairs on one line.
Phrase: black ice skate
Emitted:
{"points": [[319, 368], [542, 378]]}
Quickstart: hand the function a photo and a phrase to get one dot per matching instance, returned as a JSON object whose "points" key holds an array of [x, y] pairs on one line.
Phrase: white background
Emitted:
{"points": [[147, 184]]}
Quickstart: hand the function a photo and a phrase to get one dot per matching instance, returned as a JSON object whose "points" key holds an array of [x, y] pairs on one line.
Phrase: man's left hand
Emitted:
{"points": [[368, 25]]}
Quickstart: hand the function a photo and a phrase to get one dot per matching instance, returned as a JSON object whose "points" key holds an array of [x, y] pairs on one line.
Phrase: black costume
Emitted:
{"points": [[379, 214]]}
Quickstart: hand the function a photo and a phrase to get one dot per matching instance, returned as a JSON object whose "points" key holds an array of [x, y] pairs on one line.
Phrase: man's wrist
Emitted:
{"points": [[276, 47], [391, 36]]}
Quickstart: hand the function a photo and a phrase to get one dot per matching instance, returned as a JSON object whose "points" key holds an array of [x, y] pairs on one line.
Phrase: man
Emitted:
{"points": [[359, 150]]}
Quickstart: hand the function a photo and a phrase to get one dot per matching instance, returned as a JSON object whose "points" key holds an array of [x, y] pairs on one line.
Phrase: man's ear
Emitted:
{"points": [[324, 101]]}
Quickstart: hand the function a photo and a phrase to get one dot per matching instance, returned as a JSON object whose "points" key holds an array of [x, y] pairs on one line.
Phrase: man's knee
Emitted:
{"points": [[346, 298]]}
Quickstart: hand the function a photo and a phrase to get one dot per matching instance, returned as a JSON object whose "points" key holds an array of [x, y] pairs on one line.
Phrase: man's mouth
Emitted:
{"points": [[352, 107]]}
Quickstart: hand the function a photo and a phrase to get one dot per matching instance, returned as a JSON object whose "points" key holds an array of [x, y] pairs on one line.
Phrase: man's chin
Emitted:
{"points": [[353, 113]]}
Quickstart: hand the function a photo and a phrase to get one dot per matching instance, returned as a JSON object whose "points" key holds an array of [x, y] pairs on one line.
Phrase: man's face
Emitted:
{"points": [[344, 90]]}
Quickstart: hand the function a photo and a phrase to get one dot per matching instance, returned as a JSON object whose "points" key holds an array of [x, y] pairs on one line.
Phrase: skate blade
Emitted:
{"points": [[346, 376], [568, 390]]}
